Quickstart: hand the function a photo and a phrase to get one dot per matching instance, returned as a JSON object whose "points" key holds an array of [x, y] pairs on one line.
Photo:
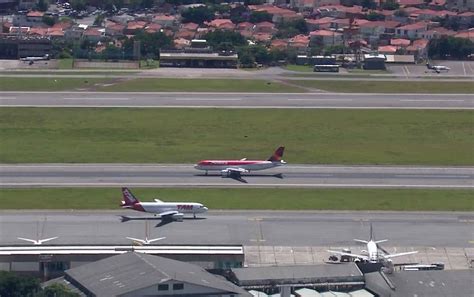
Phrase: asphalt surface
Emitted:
{"points": [[237, 100], [242, 227], [184, 175]]}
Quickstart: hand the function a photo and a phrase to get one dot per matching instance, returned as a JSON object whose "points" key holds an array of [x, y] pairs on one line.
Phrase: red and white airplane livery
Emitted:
{"points": [[166, 210], [229, 168]]}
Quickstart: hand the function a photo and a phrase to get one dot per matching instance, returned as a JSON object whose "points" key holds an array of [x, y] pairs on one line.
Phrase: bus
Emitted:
{"points": [[326, 68]]}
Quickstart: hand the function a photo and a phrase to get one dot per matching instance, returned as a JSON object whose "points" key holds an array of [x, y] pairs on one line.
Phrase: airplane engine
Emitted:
{"points": [[178, 217]]}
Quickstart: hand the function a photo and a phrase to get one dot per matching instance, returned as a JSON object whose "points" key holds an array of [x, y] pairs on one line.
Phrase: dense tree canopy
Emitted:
{"points": [[197, 15], [224, 40], [13, 285], [150, 44], [260, 16], [450, 47]]}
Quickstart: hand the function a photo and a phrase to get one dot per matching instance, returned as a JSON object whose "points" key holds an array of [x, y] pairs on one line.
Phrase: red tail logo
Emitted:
{"points": [[277, 155], [128, 198]]}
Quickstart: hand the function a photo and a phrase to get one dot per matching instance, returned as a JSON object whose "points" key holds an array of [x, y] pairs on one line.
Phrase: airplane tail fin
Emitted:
{"points": [[277, 155], [128, 197], [372, 237]]}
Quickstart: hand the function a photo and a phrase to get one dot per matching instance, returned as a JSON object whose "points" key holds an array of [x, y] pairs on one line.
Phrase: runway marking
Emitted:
{"points": [[321, 99], [464, 68], [207, 185], [431, 100], [7, 98], [432, 176], [98, 99], [243, 107], [209, 99]]}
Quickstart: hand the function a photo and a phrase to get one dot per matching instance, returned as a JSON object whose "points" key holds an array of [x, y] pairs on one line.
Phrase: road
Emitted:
{"points": [[184, 175], [287, 228], [237, 100]]}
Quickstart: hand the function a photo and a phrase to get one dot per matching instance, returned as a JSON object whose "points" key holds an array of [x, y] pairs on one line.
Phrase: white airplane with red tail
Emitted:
{"points": [[234, 168], [166, 210]]}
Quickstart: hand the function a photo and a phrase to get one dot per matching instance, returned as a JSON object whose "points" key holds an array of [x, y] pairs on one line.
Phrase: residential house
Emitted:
{"points": [[94, 34], [279, 14], [190, 26], [262, 37], [113, 29], [371, 31], [245, 29], [340, 11], [325, 38], [412, 31], [166, 21], [265, 27], [407, 3], [460, 5], [220, 24], [466, 18], [300, 43], [400, 42], [468, 34], [133, 27], [318, 24], [319, 3], [153, 28], [419, 49], [75, 32], [181, 43], [387, 50], [279, 44], [436, 33]]}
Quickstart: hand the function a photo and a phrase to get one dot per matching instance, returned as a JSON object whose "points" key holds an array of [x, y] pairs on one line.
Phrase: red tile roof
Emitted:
{"points": [[400, 42], [324, 33], [35, 14]]}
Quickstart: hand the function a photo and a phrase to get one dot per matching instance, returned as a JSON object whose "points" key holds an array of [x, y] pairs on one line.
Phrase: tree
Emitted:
{"points": [[12, 285], [260, 16], [99, 20], [291, 28], [150, 43], [50, 21], [450, 47], [239, 14], [374, 16], [197, 15], [42, 5], [401, 13], [220, 39], [370, 4], [390, 5], [78, 5], [57, 290]]}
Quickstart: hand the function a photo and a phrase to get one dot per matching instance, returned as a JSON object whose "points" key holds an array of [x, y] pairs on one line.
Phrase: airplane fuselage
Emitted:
{"points": [[155, 207], [219, 165], [372, 251]]}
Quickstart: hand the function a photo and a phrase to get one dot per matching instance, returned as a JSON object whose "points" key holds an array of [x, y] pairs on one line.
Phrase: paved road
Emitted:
{"points": [[446, 229], [184, 175], [238, 100]]}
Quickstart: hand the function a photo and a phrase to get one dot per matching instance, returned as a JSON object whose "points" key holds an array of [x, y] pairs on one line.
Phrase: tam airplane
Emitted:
{"points": [[437, 68], [166, 210], [374, 253], [229, 168]]}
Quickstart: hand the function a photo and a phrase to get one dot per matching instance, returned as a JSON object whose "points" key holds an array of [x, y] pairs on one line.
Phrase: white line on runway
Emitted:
{"points": [[431, 100], [208, 185], [242, 106], [320, 99], [432, 176], [207, 99], [104, 98], [7, 98]]}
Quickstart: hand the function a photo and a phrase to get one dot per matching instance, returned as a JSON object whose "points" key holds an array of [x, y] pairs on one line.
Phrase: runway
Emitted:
{"points": [[237, 100], [184, 175], [269, 228]]}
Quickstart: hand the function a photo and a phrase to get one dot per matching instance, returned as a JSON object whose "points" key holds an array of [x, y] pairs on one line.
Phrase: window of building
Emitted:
{"points": [[178, 286], [163, 287]]}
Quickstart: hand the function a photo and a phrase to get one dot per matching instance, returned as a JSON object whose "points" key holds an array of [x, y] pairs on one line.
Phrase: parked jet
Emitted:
{"points": [[234, 168], [437, 68], [166, 210], [37, 242], [374, 253]]}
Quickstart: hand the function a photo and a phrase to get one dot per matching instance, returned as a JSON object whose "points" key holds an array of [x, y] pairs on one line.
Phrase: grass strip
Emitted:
{"points": [[271, 199], [363, 86], [111, 135], [48, 83], [200, 85]]}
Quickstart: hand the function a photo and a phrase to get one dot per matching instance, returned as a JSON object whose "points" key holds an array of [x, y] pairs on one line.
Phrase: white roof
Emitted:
{"points": [[304, 292], [361, 293], [258, 293]]}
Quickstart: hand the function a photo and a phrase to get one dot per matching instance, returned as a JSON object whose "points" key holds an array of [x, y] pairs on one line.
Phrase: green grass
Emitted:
{"points": [[149, 64], [363, 71], [199, 85], [275, 199], [47, 83], [71, 135], [431, 87], [65, 63], [299, 68]]}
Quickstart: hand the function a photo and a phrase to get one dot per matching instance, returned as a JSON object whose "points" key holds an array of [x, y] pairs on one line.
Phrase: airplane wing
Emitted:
{"points": [[155, 239], [141, 241], [47, 239], [243, 159], [26, 239], [168, 213], [399, 254], [350, 255]]}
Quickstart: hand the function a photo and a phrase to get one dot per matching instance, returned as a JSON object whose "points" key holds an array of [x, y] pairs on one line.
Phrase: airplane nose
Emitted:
{"points": [[205, 208]]}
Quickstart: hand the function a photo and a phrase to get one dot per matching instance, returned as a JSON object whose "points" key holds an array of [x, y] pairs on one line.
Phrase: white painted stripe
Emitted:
{"points": [[207, 99], [7, 98], [320, 99], [432, 176], [205, 185], [98, 99], [242, 107], [431, 100]]}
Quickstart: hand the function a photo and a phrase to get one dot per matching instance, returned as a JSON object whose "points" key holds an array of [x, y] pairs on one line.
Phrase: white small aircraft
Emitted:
{"points": [[146, 240], [166, 210], [374, 253], [37, 242], [31, 59], [234, 168], [437, 68]]}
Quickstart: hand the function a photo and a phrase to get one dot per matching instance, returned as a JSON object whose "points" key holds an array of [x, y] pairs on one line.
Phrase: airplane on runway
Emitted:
{"points": [[146, 240], [374, 253], [37, 242], [437, 68], [235, 168], [166, 210]]}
